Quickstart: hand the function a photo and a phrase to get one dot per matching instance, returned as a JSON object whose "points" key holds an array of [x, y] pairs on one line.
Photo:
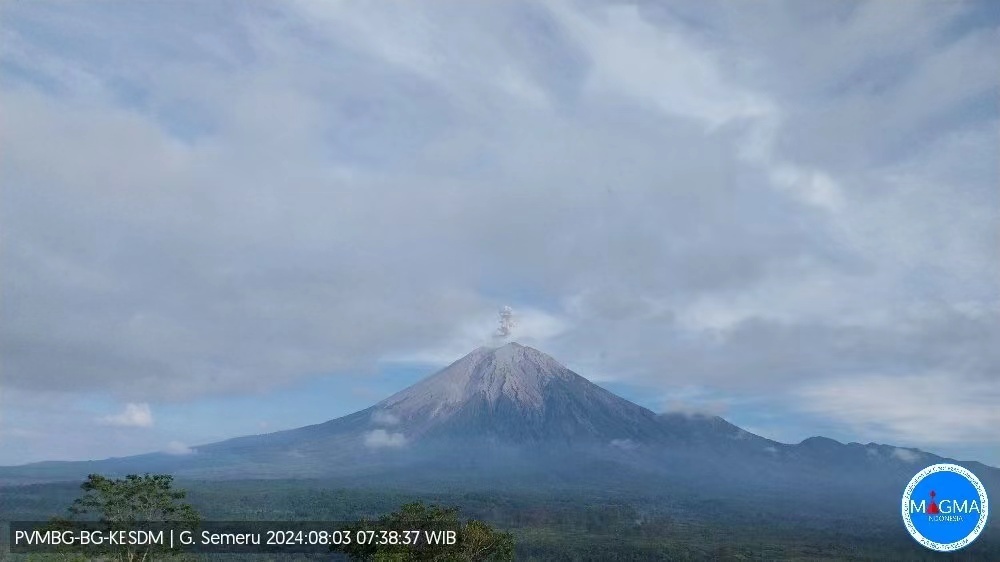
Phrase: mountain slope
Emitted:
{"points": [[513, 416], [516, 394]]}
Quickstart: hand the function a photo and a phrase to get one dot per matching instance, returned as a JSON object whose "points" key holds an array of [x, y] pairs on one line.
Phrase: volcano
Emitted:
{"points": [[494, 404], [514, 417]]}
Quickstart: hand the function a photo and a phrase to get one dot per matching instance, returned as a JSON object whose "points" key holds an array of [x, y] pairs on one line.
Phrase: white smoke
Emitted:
{"points": [[507, 323]]}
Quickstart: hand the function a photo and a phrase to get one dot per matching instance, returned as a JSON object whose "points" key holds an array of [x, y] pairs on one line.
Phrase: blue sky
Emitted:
{"points": [[222, 218]]}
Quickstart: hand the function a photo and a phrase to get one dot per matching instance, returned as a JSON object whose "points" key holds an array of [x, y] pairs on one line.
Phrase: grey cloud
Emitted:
{"points": [[897, 408], [211, 267], [318, 187], [766, 353]]}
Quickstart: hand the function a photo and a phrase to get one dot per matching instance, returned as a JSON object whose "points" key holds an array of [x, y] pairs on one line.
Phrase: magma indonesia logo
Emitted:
{"points": [[945, 507]]}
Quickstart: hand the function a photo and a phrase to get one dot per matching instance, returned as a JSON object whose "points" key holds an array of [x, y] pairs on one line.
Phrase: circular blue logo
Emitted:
{"points": [[945, 507]]}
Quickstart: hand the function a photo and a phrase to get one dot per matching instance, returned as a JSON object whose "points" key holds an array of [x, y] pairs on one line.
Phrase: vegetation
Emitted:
{"points": [[150, 497], [475, 540], [122, 504], [559, 524]]}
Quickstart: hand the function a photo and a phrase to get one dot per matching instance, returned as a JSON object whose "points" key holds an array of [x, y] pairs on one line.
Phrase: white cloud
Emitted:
{"points": [[906, 455], [659, 66], [380, 438], [937, 408], [522, 87], [134, 415], [626, 444], [381, 417], [813, 187], [178, 448]]}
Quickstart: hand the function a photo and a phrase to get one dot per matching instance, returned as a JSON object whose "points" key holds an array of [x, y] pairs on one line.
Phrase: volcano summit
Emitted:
{"points": [[516, 395]]}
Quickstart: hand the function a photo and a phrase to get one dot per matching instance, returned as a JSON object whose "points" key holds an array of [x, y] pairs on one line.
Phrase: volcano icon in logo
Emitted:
{"points": [[945, 507]]}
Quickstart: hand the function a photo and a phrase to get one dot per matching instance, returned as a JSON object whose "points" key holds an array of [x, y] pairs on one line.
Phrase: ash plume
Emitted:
{"points": [[507, 323]]}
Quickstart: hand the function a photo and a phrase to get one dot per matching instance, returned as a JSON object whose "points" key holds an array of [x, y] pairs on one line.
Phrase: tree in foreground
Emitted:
{"points": [[476, 540], [123, 503], [150, 497]]}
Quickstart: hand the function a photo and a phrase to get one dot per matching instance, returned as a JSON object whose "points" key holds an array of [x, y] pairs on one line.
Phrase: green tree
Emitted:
{"points": [[149, 497], [476, 540], [126, 503]]}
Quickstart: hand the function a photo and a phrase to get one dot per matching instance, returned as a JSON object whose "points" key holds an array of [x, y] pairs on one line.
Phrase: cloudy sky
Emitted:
{"points": [[221, 218]]}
